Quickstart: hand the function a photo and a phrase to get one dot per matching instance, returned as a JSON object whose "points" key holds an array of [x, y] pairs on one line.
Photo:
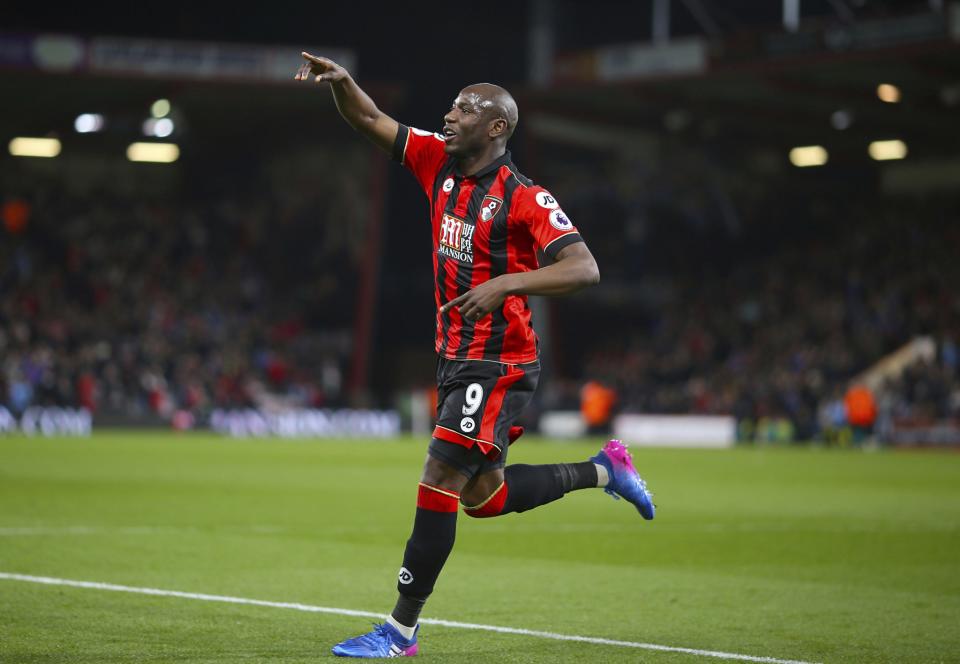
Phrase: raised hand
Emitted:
{"points": [[322, 69], [353, 103]]}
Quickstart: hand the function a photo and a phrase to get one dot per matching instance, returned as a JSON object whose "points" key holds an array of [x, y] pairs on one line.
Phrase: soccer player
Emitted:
{"points": [[489, 222]]}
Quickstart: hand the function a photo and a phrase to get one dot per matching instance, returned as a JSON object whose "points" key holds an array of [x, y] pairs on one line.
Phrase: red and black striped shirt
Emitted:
{"points": [[490, 223]]}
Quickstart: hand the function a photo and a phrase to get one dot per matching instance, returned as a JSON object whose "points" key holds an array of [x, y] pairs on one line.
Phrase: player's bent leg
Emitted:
{"points": [[521, 487], [525, 487]]}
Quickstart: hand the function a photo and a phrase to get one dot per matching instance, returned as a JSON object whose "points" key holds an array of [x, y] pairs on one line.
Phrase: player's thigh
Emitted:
{"points": [[446, 459], [448, 471]]}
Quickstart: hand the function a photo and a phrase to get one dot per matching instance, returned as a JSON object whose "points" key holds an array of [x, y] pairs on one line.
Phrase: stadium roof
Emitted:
{"points": [[789, 102]]}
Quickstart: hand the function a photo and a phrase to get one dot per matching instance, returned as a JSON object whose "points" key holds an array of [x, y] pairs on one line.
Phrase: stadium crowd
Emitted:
{"points": [[137, 306], [765, 303], [757, 302]]}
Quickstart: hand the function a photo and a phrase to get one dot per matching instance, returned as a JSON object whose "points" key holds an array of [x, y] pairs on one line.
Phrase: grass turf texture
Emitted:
{"points": [[809, 554]]}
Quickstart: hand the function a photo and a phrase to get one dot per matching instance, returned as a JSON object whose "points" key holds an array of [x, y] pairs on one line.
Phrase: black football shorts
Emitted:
{"points": [[477, 403]]}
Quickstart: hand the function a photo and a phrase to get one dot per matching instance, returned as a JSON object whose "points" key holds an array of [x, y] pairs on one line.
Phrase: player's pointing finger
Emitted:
{"points": [[314, 59], [453, 303]]}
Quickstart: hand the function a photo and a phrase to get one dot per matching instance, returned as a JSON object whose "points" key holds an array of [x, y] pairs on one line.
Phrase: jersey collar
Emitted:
{"points": [[492, 167]]}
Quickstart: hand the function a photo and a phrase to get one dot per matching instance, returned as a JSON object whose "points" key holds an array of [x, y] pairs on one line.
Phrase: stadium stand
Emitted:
{"points": [[709, 311], [135, 307]]}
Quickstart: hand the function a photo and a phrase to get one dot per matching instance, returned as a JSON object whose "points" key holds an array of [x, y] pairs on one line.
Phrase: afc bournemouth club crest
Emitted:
{"points": [[489, 207]]}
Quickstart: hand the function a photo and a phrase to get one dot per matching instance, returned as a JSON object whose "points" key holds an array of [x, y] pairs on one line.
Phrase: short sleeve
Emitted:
{"points": [[550, 227], [420, 151]]}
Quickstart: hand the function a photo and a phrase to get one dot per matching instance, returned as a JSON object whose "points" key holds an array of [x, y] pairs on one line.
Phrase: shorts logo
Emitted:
{"points": [[448, 185], [545, 200], [405, 577], [456, 239], [489, 207], [560, 221], [467, 424]]}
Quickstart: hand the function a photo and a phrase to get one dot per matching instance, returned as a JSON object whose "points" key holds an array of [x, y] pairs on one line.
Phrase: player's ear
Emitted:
{"points": [[498, 128]]}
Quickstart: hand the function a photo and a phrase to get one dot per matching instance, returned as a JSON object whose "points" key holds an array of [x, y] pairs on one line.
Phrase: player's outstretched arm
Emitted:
{"points": [[575, 268], [354, 104]]}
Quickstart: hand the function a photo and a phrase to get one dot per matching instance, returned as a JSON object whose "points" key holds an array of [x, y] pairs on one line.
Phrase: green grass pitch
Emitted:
{"points": [[803, 554]]}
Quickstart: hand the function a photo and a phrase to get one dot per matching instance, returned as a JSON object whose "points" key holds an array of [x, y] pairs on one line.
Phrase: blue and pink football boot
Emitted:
{"points": [[383, 641], [625, 482]]}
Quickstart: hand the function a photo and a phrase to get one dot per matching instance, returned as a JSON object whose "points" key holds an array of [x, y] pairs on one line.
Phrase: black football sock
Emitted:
{"points": [[575, 476], [434, 531], [532, 486], [407, 610]]}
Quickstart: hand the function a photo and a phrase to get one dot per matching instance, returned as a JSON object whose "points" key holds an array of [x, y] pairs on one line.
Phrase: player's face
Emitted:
{"points": [[466, 125]]}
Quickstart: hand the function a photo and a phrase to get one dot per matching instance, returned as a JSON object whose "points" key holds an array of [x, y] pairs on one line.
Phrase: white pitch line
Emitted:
{"points": [[94, 585]]}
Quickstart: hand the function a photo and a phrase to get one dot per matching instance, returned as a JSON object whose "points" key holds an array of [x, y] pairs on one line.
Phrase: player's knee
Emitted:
{"points": [[442, 475], [490, 506]]}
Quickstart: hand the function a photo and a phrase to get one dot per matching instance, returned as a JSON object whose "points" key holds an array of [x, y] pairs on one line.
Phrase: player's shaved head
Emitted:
{"points": [[496, 101]]}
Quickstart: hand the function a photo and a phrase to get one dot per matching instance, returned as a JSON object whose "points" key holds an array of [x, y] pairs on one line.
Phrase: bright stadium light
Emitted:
{"points": [[888, 93], [160, 108], [158, 153], [160, 128], [23, 146], [163, 128], [887, 150], [88, 123], [808, 155]]}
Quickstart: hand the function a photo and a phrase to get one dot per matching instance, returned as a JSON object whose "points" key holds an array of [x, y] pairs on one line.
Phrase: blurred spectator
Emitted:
{"points": [[596, 406], [16, 214], [861, 411]]}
